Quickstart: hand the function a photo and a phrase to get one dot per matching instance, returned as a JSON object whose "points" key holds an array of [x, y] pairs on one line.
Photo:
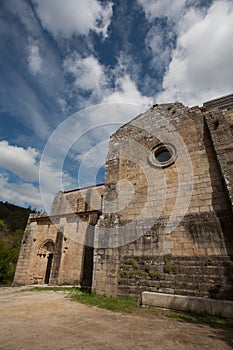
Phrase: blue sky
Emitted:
{"points": [[73, 71]]}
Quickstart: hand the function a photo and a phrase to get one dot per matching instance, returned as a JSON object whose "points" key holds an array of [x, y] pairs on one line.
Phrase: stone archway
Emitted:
{"points": [[47, 250]]}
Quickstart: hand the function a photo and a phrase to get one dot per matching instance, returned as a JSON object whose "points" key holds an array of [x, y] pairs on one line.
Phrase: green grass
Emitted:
{"points": [[116, 304], [203, 318], [216, 121], [132, 262]]}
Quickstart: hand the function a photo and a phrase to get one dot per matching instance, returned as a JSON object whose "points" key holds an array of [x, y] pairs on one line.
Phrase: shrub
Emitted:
{"points": [[132, 262], [216, 122]]}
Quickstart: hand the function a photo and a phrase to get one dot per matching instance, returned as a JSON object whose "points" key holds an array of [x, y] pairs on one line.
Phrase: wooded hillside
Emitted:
{"points": [[13, 220]]}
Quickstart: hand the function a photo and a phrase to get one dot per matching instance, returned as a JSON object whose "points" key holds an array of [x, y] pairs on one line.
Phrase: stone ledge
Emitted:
{"points": [[186, 303]]}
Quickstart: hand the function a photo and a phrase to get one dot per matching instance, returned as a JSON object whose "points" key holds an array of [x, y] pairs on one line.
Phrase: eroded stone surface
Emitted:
{"points": [[161, 228]]}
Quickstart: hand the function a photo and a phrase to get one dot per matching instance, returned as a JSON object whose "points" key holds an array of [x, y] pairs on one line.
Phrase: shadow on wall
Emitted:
{"points": [[220, 199], [224, 214], [88, 250]]}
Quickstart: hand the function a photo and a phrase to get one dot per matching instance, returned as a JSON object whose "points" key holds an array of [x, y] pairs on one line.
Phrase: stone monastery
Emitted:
{"points": [[162, 221]]}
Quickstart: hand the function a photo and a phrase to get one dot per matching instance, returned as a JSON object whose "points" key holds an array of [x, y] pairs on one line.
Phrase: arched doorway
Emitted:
{"points": [[47, 250]]}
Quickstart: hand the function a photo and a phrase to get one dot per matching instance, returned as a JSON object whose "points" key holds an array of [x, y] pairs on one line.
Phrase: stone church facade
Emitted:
{"points": [[161, 222]]}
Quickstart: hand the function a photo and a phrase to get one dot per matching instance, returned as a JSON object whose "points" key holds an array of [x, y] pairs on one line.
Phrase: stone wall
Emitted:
{"points": [[220, 126], [158, 224], [78, 201], [225, 102], [66, 236], [199, 276], [183, 211]]}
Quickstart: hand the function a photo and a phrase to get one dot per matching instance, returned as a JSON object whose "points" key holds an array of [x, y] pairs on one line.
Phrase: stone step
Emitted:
{"points": [[186, 270], [137, 289], [197, 270], [221, 268], [204, 285], [192, 264], [182, 277], [184, 259], [222, 295]]}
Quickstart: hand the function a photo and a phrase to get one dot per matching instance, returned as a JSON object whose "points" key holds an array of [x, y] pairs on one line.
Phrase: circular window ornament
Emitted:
{"points": [[163, 155]]}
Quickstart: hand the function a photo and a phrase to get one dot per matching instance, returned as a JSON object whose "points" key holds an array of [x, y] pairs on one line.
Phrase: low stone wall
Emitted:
{"points": [[199, 276], [185, 303]]}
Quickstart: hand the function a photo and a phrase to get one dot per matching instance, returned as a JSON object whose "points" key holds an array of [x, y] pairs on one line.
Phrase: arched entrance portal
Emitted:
{"points": [[47, 250]]}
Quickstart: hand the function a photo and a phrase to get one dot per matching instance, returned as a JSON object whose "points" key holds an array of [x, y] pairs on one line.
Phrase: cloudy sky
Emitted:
{"points": [[71, 72]]}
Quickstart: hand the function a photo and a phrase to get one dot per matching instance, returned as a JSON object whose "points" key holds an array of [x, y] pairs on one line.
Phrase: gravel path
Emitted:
{"points": [[31, 320]]}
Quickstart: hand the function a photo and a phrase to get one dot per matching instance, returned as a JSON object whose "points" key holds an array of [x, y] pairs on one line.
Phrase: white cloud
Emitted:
{"points": [[24, 163], [19, 93], [126, 91], [88, 74], [160, 45], [65, 18], [94, 157], [20, 194], [104, 85], [34, 57], [201, 66], [62, 104], [19, 161], [179, 15], [172, 9], [84, 137], [52, 178]]}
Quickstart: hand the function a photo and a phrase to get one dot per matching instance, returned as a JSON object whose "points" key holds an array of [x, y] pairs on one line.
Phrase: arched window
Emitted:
{"points": [[47, 247]]}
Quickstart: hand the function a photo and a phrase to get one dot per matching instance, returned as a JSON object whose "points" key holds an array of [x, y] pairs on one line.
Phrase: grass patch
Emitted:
{"points": [[169, 268], [116, 304], [132, 262], [203, 318], [129, 305], [216, 122], [153, 273]]}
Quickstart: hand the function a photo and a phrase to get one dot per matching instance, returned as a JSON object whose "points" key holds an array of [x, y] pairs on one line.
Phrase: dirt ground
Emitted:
{"points": [[31, 320]]}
